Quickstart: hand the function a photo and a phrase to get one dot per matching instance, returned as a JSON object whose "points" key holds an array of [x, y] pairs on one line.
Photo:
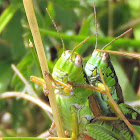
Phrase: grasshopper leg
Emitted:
{"points": [[95, 88], [74, 129], [40, 81], [104, 118], [67, 87], [74, 126]]}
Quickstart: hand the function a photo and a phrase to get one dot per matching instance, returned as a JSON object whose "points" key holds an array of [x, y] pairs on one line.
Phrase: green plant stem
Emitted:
{"points": [[120, 43], [33, 50], [7, 15], [22, 138]]}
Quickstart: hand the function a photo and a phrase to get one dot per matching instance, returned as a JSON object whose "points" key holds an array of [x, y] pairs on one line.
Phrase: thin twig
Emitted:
{"points": [[31, 90], [32, 99], [46, 134], [132, 23]]}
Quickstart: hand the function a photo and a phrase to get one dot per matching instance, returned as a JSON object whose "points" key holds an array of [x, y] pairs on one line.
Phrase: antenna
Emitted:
{"points": [[79, 45], [56, 29], [117, 38], [95, 25]]}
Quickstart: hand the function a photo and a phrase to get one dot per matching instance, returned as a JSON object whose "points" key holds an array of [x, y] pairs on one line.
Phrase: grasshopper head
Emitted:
{"points": [[68, 66], [97, 61]]}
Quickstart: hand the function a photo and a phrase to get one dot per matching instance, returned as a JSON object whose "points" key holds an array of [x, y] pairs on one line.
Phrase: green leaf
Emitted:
{"points": [[7, 15], [13, 35], [67, 4], [17, 113], [5, 75], [65, 18], [137, 33], [84, 30]]}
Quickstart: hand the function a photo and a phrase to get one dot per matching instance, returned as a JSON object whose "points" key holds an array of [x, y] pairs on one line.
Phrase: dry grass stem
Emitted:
{"points": [[30, 89], [28, 5], [32, 99]]}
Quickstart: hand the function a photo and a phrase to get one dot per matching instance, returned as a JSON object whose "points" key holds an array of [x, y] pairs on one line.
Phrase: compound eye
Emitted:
{"points": [[78, 61], [106, 57]]}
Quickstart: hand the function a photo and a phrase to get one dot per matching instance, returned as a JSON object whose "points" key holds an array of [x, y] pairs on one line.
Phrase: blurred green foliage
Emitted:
{"points": [[73, 17]]}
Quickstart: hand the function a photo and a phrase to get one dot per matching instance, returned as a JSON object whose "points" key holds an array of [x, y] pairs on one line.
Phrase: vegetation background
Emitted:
{"points": [[75, 20]]}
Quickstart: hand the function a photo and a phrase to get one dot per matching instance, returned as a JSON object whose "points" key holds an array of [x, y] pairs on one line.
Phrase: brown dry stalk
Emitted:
{"points": [[28, 5]]}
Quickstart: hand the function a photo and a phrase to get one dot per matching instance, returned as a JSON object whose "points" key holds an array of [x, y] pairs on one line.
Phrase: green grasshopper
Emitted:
{"points": [[100, 60], [77, 106], [67, 69], [76, 102]]}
